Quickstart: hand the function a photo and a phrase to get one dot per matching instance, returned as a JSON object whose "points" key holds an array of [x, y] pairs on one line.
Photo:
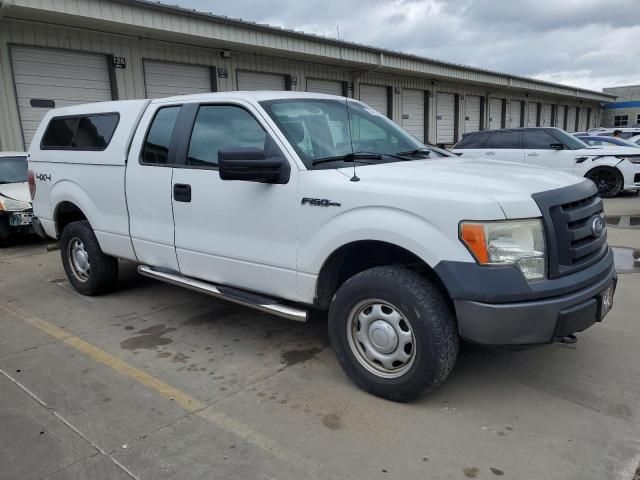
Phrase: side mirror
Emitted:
{"points": [[251, 165], [556, 146]]}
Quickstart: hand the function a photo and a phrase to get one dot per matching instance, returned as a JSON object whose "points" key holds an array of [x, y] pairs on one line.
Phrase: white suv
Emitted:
{"points": [[612, 169]]}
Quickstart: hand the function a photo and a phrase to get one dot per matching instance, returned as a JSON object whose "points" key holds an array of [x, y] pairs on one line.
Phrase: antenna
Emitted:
{"points": [[355, 177]]}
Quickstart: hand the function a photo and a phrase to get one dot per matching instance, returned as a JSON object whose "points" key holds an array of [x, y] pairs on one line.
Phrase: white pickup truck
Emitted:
{"points": [[289, 202]]}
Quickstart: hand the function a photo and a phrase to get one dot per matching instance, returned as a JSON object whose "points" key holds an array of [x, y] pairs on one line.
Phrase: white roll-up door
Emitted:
{"points": [[260, 81], [515, 114], [532, 114], [472, 113], [583, 120], [375, 96], [59, 78], [571, 120], [495, 113], [547, 111], [561, 113], [413, 112], [445, 118], [164, 79], [331, 87]]}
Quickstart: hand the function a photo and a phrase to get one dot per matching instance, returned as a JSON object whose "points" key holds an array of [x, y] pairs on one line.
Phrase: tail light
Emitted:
{"points": [[32, 183]]}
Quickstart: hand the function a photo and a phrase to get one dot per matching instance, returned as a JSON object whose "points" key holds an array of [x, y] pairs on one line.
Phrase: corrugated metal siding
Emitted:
{"points": [[131, 84], [472, 113], [374, 96], [413, 112], [495, 113], [66, 77], [331, 87], [260, 81], [547, 111], [561, 116], [532, 114], [515, 114], [163, 79], [445, 118]]}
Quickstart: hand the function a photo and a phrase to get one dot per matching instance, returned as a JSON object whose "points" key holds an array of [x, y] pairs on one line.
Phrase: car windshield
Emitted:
{"points": [[325, 133], [574, 143], [13, 169]]}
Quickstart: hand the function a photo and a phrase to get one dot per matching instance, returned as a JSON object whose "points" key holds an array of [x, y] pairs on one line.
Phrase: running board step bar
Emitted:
{"points": [[241, 297]]}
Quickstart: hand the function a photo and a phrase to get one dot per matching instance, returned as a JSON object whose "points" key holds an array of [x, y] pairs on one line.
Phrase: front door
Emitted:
{"points": [[237, 233], [538, 151], [505, 145]]}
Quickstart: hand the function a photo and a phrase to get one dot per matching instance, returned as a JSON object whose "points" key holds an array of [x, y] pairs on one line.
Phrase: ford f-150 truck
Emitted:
{"points": [[293, 202]]}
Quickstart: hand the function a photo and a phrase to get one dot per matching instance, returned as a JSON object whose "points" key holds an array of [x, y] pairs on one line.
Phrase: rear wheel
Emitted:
{"points": [[608, 180], [89, 270], [393, 332]]}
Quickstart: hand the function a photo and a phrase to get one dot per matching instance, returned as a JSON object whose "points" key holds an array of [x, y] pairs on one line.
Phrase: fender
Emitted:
{"points": [[583, 167]]}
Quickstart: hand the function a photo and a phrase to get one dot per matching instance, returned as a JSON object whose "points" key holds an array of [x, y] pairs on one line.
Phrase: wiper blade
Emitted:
{"points": [[417, 151], [349, 157]]}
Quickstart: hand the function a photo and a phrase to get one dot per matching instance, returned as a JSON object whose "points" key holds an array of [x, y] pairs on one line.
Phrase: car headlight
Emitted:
{"points": [[510, 242], [11, 205]]}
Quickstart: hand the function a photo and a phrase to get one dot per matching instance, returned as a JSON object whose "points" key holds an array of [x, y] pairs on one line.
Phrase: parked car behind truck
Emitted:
{"points": [[611, 169], [15, 201], [288, 202]]}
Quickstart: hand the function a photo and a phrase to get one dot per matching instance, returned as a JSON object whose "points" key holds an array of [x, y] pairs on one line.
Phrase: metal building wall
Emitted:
{"points": [[129, 82]]}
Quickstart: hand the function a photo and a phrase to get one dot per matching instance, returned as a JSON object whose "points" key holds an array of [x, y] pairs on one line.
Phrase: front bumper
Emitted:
{"points": [[9, 227], [532, 322]]}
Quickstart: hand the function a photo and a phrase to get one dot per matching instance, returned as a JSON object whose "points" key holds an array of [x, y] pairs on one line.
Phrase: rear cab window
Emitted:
{"points": [[156, 146], [92, 132]]}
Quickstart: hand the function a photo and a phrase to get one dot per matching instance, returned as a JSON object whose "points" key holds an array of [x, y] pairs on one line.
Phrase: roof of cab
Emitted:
{"points": [[13, 154], [248, 95]]}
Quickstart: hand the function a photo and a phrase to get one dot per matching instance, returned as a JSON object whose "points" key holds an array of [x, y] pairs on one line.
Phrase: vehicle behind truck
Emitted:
{"points": [[292, 202]]}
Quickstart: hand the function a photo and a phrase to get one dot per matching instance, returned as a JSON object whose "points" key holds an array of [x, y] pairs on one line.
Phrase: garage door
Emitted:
{"points": [[532, 114], [561, 116], [260, 81], [472, 113], [376, 97], [45, 77], [330, 87], [515, 114], [413, 112], [495, 113], [547, 111], [571, 120], [445, 118], [583, 120], [162, 79]]}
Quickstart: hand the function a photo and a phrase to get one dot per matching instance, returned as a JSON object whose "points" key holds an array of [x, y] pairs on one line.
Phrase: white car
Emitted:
{"points": [[635, 139], [625, 132], [288, 202], [612, 169], [15, 201]]}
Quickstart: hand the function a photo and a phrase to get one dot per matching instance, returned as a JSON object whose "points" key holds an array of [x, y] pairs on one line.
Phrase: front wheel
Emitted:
{"points": [[608, 180], [393, 332]]}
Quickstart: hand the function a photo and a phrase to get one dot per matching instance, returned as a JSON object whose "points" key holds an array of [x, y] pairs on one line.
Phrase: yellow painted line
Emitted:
{"points": [[187, 402]]}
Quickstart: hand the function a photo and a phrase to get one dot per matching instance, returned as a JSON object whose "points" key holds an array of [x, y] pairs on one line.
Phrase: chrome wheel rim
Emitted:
{"points": [[381, 338], [78, 260]]}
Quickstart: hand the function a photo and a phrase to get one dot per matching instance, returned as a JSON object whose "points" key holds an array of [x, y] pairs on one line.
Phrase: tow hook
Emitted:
{"points": [[567, 339]]}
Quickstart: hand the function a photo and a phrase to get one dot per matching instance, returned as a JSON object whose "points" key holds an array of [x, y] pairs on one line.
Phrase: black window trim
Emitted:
{"points": [[187, 127], [80, 116], [171, 141]]}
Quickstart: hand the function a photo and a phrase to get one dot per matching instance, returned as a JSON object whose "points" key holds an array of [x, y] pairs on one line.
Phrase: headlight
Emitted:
{"points": [[11, 205], [510, 242]]}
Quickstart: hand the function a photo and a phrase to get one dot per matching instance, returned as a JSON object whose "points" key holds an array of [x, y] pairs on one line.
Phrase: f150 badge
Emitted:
{"points": [[319, 202]]}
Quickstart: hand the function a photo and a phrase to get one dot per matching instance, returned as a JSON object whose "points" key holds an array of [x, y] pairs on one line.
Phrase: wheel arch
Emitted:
{"points": [[66, 212], [357, 256]]}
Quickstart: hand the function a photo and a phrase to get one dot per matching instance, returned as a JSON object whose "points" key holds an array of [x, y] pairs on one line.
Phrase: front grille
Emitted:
{"points": [[568, 214]]}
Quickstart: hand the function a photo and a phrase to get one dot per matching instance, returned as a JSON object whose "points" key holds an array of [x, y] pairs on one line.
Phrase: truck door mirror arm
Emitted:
{"points": [[251, 165]]}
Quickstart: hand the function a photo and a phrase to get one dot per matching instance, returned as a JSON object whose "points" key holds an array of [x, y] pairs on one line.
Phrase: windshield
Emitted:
{"points": [[574, 143], [13, 169], [322, 129]]}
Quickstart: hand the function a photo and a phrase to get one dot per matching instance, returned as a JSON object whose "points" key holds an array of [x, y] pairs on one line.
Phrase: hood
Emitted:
{"points": [[613, 151], [16, 191], [511, 185]]}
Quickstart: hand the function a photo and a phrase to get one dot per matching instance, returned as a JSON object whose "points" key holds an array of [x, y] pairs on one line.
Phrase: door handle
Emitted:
{"points": [[534, 154], [182, 192], [489, 153]]}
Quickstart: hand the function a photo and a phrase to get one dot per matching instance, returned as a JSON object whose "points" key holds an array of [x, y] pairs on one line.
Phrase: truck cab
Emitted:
{"points": [[293, 202]]}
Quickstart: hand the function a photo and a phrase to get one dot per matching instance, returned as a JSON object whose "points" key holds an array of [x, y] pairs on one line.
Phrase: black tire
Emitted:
{"points": [[428, 314], [608, 180], [103, 269]]}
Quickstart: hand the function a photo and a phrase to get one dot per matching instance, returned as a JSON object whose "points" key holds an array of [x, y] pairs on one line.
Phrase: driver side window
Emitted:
{"points": [[222, 126]]}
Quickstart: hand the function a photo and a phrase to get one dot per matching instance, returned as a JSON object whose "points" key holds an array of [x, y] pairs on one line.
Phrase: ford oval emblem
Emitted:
{"points": [[597, 226]]}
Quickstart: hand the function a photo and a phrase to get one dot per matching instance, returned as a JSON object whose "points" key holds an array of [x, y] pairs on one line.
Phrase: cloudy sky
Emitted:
{"points": [[586, 43]]}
